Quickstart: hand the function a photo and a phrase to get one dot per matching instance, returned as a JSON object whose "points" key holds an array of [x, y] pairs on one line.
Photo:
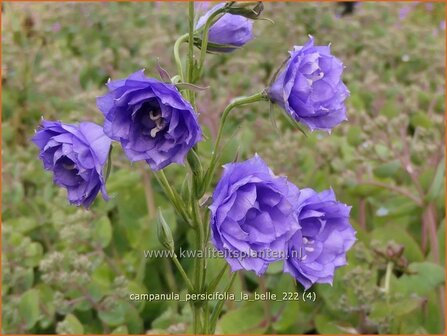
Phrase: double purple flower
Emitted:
{"points": [[326, 235], [150, 119], [253, 215], [310, 88], [258, 218], [76, 154]]}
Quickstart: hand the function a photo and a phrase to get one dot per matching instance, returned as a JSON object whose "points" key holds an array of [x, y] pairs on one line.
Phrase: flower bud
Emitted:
{"points": [[194, 163], [231, 26], [197, 170], [250, 9], [164, 232]]}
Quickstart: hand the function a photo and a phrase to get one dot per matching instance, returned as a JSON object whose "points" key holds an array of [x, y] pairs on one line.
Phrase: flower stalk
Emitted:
{"points": [[178, 60], [241, 101]]}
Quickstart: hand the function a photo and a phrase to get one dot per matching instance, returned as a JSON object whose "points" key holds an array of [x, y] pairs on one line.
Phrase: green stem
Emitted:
{"points": [[389, 271], [235, 103], [196, 320], [190, 65], [200, 243], [182, 273], [149, 193], [206, 318], [213, 284], [177, 58], [191, 43], [219, 306], [173, 197], [204, 44], [169, 275]]}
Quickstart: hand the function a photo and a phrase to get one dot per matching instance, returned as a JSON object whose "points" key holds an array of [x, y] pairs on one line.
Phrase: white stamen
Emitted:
{"points": [[305, 240], [154, 116], [309, 249], [69, 167], [159, 125], [154, 131], [303, 258]]}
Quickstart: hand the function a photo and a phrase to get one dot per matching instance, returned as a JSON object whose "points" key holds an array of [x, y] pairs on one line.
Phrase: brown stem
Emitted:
{"points": [[362, 213], [430, 216], [424, 233]]}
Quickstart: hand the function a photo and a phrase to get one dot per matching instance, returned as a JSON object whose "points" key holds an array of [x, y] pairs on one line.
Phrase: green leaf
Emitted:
{"points": [[400, 308], [354, 135], [401, 236], [388, 169], [22, 224], [46, 295], [288, 317], [433, 320], [357, 102], [406, 306], [120, 180], [94, 75], [33, 254], [24, 282], [275, 267], [390, 109], [247, 319], [97, 290], [122, 330], [115, 315], [427, 276], [382, 151], [421, 119], [29, 308], [102, 231], [74, 325], [134, 322], [441, 242], [134, 287], [325, 325], [167, 318]]}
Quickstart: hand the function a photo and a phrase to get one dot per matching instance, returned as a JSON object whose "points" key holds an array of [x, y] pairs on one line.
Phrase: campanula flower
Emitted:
{"points": [[310, 88], [253, 215], [320, 246], [76, 154], [150, 119]]}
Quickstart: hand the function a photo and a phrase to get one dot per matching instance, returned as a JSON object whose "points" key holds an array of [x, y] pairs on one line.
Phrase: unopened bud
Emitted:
{"points": [[194, 163], [250, 9], [164, 232]]}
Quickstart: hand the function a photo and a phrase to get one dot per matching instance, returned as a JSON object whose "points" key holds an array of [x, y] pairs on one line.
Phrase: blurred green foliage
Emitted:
{"points": [[66, 270]]}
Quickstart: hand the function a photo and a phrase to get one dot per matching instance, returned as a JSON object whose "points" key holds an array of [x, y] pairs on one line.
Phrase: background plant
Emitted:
{"points": [[387, 162]]}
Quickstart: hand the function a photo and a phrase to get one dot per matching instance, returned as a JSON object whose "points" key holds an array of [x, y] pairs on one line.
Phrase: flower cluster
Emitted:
{"points": [[268, 218], [151, 120], [254, 213]]}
